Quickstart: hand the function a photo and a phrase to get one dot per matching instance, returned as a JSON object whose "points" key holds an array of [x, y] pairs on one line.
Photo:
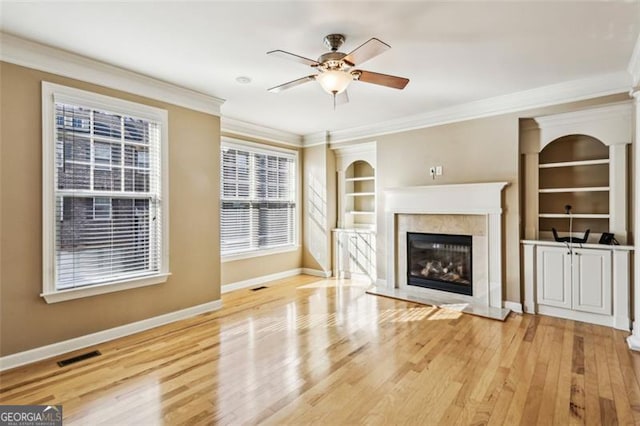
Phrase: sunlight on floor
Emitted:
{"points": [[406, 314], [444, 314], [297, 322]]}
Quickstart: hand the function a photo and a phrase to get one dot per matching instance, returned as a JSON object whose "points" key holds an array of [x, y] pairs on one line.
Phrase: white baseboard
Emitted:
{"points": [[260, 280], [570, 314], [633, 342], [514, 306], [316, 272], [44, 352]]}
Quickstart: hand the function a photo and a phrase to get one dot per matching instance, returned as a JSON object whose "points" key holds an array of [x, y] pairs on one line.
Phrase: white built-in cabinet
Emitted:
{"points": [[579, 279], [577, 158], [354, 253], [354, 239]]}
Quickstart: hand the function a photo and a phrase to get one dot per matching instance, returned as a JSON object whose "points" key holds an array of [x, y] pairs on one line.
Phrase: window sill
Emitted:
{"points": [[258, 253], [94, 290]]}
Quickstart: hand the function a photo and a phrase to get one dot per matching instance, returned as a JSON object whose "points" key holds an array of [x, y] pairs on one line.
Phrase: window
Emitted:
{"points": [[258, 198], [105, 175]]}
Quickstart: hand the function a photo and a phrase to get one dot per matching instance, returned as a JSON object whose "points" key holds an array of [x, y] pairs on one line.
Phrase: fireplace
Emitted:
{"points": [[473, 209], [440, 262]]}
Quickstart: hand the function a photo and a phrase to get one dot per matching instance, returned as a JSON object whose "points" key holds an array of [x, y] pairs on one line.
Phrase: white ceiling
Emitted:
{"points": [[453, 52]]}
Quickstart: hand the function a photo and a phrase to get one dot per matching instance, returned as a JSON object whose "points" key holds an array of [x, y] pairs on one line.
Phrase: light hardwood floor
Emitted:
{"points": [[306, 350]]}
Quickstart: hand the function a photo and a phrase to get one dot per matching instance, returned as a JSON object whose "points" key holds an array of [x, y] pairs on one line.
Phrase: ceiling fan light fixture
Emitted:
{"points": [[334, 81], [335, 70]]}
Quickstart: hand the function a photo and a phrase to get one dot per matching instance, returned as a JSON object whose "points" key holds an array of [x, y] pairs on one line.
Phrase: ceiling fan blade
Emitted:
{"points": [[382, 79], [342, 98], [291, 84], [293, 57], [366, 51]]}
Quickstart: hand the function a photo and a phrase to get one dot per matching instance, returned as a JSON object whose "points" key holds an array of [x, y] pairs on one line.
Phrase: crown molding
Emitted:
{"points": [[244, 128], [49, 59], [314, 139], [355, 149], [571, 91], [634, 64]]}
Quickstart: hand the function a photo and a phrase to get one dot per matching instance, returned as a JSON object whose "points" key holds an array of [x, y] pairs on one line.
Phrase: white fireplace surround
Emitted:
{"points": [[459, 199]]}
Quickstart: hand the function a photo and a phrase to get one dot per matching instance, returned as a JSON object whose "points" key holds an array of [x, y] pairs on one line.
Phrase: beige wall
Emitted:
{"points": [[26, 321], [246, 269]]}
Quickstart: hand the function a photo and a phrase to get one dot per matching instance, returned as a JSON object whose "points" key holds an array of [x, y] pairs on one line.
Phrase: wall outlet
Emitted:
{"points": [[432, 172], [438, 170]]}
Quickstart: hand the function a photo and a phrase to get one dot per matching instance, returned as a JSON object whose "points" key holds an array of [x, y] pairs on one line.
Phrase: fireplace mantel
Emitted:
{"points": [[484, 199], [468, 198]]}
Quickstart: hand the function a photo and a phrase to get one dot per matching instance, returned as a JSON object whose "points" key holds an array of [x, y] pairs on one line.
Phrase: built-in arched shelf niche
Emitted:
{"points": [[360, 195], [579, 159], [354, 240], [573, 170]]}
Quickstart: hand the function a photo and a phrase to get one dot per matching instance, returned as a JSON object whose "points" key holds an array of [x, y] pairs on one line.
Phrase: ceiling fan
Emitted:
{"points": [[336, 69]]}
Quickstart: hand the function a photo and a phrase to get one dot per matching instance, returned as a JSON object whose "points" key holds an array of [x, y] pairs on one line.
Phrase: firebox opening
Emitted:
{"points": [[440, 261]]}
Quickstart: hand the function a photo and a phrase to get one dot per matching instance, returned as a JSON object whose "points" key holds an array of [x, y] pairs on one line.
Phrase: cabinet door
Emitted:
{"points": [[592, 281], [353, 252], [361, 253], [342, 266], [554, 277]]}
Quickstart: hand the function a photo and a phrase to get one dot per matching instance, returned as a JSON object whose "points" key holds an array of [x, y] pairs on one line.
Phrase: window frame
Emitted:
{"points": [[109, 214], [52, 93], [106, 160], [239, 144]]}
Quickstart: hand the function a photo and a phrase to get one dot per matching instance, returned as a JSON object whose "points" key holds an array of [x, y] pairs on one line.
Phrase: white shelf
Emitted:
{"points": [[360, 194], [575, 216], [356, 212], [584, 189], [574, 163], [360, 179]]}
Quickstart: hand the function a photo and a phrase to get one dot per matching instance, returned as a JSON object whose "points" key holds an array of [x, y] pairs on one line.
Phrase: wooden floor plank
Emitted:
{"points": [[562, 407], [631, 380], [550, 387], [592, 397], [307, 350]]}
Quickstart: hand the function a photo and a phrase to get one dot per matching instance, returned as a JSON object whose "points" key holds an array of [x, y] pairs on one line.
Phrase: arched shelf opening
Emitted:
{"points": [[360, 193], [574, 148], [574, 171]]}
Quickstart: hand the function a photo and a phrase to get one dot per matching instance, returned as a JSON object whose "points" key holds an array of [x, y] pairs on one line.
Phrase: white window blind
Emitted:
{"points": [[258, 199], [108, 225]]}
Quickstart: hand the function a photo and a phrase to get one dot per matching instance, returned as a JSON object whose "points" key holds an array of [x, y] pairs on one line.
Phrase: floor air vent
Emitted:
{"points": [[78, 358], [259, 288]]}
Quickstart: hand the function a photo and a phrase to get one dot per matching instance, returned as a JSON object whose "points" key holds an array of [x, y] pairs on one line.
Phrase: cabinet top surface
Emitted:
{"points": [[576, 245], [358, 230]]}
